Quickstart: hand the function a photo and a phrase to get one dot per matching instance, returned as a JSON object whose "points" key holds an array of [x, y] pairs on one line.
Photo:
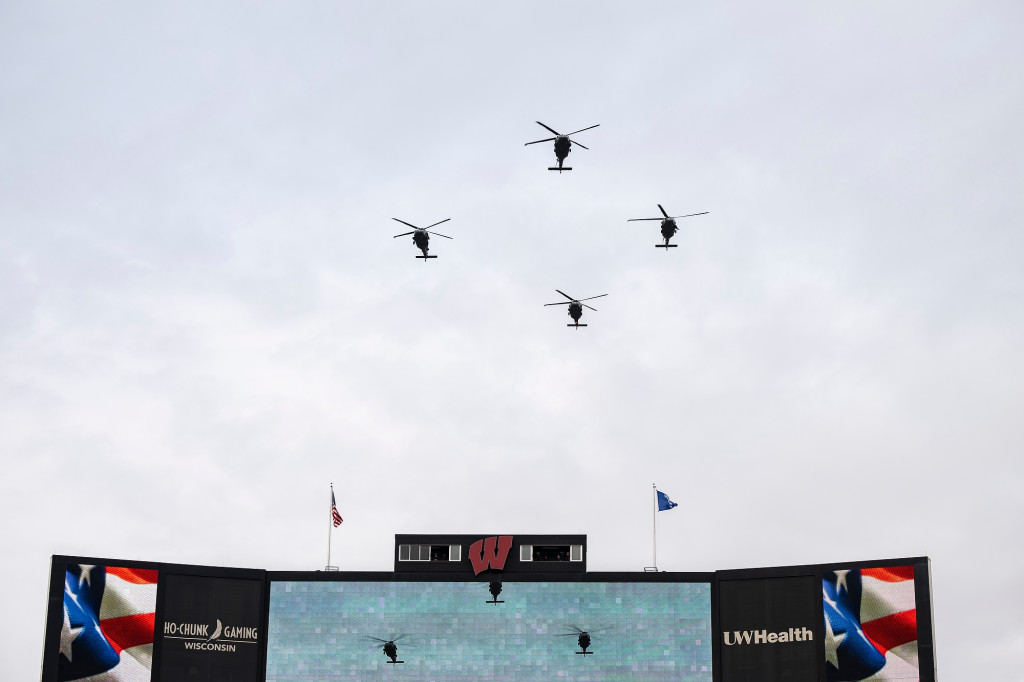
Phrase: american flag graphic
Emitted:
{"points": [[107, 634], [335, 516], [870, 624]]}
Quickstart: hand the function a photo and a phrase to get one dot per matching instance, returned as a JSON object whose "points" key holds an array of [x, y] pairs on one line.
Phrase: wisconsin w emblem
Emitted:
{"points": [[490, 553]]}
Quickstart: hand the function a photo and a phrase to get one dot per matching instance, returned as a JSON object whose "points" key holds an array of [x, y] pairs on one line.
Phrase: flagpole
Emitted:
{"points": [[654, 524], [330, 527]]}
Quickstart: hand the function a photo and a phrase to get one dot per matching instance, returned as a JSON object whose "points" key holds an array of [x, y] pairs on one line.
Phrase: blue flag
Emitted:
{"points": [[665, 503]]}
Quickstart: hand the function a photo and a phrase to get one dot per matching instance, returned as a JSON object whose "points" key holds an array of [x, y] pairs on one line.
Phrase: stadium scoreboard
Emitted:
{"points": [[504, 607]]}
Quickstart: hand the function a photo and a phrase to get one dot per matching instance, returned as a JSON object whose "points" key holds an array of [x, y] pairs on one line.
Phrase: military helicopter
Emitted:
{"points": [[668, 226], [563, 145], [582, 638], [421, 236], [390, 647], [576, 307]]}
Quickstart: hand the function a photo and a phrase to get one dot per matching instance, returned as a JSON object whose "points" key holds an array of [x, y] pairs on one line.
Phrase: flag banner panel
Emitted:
{"points": [[467, 631], [870, 624], [108, 624]]}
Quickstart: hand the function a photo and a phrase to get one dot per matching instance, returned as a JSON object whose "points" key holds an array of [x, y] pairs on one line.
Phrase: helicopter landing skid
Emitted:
{"points": [[665, 246], [584, 653], [426, 256], [560, 169], [395, 662], [495, 601], [577, 325]]}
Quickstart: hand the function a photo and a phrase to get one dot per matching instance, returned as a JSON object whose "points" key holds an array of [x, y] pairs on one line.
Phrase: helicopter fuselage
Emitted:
{"points": [[562, 147], [422, 241], [576, 311], [391, 651], [668, 229]]}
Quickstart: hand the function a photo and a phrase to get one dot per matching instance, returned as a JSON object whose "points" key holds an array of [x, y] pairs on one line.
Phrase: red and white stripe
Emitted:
{"points": [[888, 613], [127, 615]]}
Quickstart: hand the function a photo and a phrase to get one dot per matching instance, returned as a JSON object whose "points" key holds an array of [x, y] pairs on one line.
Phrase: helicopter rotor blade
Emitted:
{"points": [[405, 223], [631, 220], [559, 303], [566, 295], [580, 130], [552, 130], [579, 145], [547, 139], [437, 223], [587, 306], [592, 297], [403, 234], [689, 215], [663, 212], [439, 234]]}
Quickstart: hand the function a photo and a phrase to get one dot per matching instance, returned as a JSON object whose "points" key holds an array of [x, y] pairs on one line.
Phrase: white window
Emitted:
{"points": [[455, 553], [576, 553], [526, 552]]}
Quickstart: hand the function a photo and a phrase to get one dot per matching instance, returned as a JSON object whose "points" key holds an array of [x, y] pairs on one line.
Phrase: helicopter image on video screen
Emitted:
{"points": [[583, 638], [390, 647]]}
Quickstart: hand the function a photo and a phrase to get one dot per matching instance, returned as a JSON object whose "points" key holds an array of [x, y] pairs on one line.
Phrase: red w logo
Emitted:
{"points": [[483, 554]]}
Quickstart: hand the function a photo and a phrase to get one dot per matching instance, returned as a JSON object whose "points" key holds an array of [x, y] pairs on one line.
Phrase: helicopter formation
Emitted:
{"points": [[583, 637], [563, 145]]}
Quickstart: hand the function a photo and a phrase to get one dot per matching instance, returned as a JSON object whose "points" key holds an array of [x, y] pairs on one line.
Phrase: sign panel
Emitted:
{"points": [[769, 628], [210, 629], [468, 631]]}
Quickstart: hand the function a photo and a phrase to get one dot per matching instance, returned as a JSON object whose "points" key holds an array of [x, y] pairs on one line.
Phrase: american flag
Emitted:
{"points": [[870, 624], [335, 516], [107, 634]]}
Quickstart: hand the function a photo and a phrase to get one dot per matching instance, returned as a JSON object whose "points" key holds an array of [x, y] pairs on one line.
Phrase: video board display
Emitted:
{"points": [[210, 629], [768, 629], [108, 618], [870, 624], [462, 631]]}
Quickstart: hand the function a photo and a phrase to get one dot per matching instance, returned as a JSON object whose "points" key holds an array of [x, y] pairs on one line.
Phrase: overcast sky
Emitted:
{"points": [[205, 320]]}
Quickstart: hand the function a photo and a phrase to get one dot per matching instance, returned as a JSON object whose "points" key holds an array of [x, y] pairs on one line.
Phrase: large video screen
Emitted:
{"points": [[462, 631]]}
